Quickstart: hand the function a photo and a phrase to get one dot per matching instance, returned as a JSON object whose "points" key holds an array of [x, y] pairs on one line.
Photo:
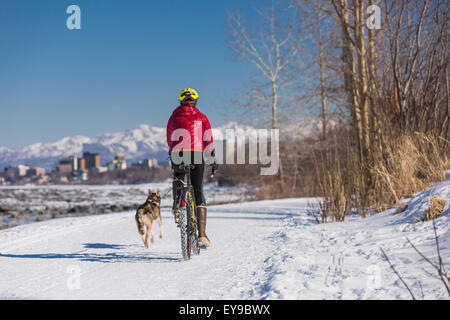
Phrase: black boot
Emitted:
{"points": [[176, 185]]}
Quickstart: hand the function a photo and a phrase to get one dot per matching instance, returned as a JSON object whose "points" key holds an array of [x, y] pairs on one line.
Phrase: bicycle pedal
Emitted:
{"points": [[176, 217]]}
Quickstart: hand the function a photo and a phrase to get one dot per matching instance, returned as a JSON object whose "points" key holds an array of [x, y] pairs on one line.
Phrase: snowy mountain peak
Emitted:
{"points": [[136, 144], [62, 147], [144, 127]]}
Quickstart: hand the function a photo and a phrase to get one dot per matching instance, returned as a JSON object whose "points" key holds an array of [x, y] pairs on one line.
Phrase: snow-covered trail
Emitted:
{"points": [[40, 260], [260, 250]]}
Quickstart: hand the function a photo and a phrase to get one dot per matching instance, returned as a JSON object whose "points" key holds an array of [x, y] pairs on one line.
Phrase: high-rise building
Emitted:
{"points": [[150, 163], [68, 165], [119, 163], [81, 164], [35, 171], [19, 171], [92, 160]]}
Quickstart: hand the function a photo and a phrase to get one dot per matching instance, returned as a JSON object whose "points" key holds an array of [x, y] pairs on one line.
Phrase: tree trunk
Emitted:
{"points": [[274, 104], [322, 80], [358, 6], [373, 122], [349, 75]]}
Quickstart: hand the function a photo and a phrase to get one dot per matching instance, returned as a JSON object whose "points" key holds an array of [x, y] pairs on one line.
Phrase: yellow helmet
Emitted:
{"points": [[187, 94]]}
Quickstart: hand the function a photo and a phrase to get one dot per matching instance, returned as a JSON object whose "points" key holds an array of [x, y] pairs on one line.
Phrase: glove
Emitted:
{"points": [[212, 162], [210, 159], [214, 166]]}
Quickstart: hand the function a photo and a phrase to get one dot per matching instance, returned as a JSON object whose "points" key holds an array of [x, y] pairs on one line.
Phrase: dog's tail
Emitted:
{"points": [[140, 222]]}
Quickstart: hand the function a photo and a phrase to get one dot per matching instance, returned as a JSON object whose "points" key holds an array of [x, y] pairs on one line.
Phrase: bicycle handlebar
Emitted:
{"points": [[186, 167]]}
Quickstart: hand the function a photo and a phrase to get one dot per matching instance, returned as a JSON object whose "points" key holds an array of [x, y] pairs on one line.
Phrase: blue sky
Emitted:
{"points": [[123, 68]]}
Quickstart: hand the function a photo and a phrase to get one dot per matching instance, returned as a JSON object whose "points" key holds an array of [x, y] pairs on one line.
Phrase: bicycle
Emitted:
{"points": [[186, 214]]}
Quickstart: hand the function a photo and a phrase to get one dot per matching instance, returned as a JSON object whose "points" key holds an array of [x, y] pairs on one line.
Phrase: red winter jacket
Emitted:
{"points": [[191, 125]]}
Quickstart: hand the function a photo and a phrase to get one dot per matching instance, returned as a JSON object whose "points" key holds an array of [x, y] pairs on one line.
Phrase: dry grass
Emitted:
{"points": [[331, 169], [436, 207], [406, 165], [401, 168], [337, 202]]}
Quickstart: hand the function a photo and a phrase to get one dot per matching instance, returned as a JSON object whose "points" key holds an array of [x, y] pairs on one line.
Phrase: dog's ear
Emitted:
{"points": [[150, 192], [157, 192]]}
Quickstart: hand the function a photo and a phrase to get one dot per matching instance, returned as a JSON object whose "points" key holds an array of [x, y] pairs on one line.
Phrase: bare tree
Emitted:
{"points": [[271, 50], [415, 79], [354, 70], [313, 65], [439, 267]]}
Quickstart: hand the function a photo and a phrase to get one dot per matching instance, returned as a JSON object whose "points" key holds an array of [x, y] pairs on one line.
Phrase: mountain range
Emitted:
{"points": [[136, 144]]}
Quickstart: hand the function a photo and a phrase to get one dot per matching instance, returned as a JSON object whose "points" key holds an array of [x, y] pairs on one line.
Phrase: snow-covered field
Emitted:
{"points": [[25, 204], [260, 250]]}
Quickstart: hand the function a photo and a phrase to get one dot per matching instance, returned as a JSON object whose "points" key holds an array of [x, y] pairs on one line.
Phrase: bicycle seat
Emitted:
{"points": [[186, 166]]}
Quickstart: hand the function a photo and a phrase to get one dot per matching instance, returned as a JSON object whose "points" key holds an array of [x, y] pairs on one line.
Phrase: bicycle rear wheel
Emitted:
{"points": [[183, 223], [192, 224], [188, 227], [185, 246]]}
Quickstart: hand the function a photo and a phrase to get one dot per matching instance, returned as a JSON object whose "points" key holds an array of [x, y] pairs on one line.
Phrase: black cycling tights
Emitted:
{"points": [[196, 173]]}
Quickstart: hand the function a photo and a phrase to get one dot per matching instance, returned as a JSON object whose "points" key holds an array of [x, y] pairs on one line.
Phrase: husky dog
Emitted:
{"points": [[146, 213]]}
